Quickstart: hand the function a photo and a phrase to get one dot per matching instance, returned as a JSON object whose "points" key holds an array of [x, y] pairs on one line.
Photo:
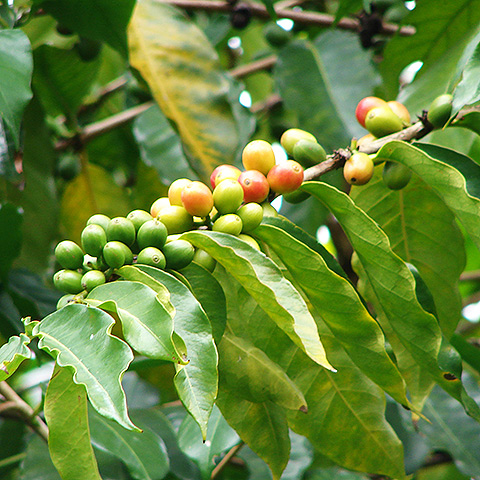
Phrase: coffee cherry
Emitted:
{"points": [[365, 105], [291, 136], [400, 110], [122, 230], [178, 254], [92, 279], [152, 234], [250, 240], [251, 215], [68, 281], [204, 259], [366, 139], [381, 121], [308, 153], [275, 35], [222, 172], [175, 191], [93, 239], [99, 219], [395, 175], [69, 255], [158, 204], [255, 186], [269, 210], [197, 199], [138, 218], [152, 256], [176, 219], [285, 177], [358, 169], [258, 155], [440, 110], [229, 223], [227, 196], [114, 254], [128, 254]]}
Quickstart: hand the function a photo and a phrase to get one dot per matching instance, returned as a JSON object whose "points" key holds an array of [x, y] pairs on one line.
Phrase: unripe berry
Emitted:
{"points": [[114, 254], [69, 255], [93, 239], [440, 110], [152, 256], [152, 234], [197, 199], [204, 259], [255, 186], [178, 254], [258, 155], [358, 169], [250, 240], [176, 219], [223, 172], [381, 121], [229, 223], [121, 230], [92, 279], [366, 139], [291, 136], [365, 105], [251, 215], [138, 218], [68, 281], [158, 205], [228, 196], [395, 175], [308, 153], [175, 191], [99, 219], [285, 177]]}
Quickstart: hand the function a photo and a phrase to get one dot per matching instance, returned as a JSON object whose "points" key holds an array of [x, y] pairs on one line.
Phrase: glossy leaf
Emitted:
{"points": [[392, 285], [251, 375], [37, 464], [146, 324], [345, 401], [338, 304], [79, 336], [11, 220], [467, 91], [68, 432], [423, 232], [143, 453], [265, 282], [220, 438], [184, 75], [16, 65], [196, 382], [12, 354], [313, 85], [160, 145], [471, 121]]}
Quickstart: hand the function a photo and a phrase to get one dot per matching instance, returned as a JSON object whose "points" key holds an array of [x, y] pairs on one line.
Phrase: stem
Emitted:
{"points": [[474, 275], [223, 462], [262, 64], [303, 17], [21, 409], [5, 462]]}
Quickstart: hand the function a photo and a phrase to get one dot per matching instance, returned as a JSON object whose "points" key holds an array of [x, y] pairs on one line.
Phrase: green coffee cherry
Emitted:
{"points": [[275, 35], [93, 239], [99, 219], [152, 256], [138, 218], [69, 281], [178, 254], [251, 215], [381, 121], [128, 254], [308, 153], [227, 196], [114, 254], [250, 240], [176, 219], [395, 175], [92, 279], [122, 230], [204, 259], [440, 110], [268, 210], [229, 223], [69, 255], [291, 136], [152, 233]]}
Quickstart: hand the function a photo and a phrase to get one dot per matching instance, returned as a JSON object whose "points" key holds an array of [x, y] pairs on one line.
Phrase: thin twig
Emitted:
{"points": [[5, 462], [103, 94], [262, 64], [223, 462], [23, 411], [474, 275], [303, 17]]}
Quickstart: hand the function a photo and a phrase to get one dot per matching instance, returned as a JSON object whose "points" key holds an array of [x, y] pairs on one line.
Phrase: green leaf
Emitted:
{"points": [[471, 121], [160, 146], [392, 284], [146, 324], [263, 426], [38, 464], [12, 354], [423, 232], [183, 72], [209, 293], [79, 336], [143, 452], [100, 20], [250, 374], [269, 5], [338, 304], [440, 28], [220, 438], [196, 382], [313, 84], [345, 401], [467, 91], [265, 283], [16, 66], [68, 433], [11, 220]]}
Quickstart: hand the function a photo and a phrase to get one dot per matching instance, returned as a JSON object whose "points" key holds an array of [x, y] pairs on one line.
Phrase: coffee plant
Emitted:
{"points": [[239, 240]]}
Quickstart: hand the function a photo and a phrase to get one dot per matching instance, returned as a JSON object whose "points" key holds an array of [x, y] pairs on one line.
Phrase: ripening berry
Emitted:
{"points": [[255, 186], [258, 155], [197, 199], [285, 177]]}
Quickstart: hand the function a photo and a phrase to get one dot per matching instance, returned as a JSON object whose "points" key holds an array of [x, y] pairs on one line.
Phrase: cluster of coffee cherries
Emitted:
{"points": [[235, 204]]}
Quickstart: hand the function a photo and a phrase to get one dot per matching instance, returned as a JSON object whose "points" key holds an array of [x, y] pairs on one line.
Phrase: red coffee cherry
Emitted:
{"points": [[285, 177], [197, 199], [255, 186]]}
